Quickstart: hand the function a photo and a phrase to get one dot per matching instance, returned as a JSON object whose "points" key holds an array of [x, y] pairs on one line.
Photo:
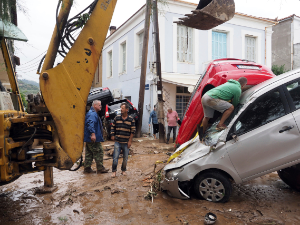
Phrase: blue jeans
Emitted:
{"points": [[118, 146]]}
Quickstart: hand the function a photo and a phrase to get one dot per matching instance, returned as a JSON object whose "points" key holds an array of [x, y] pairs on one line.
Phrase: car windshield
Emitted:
{"points": [[212, 135]]}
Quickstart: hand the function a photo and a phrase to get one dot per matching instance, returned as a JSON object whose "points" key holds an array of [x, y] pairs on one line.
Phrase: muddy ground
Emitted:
{"points": [[100, 199]]}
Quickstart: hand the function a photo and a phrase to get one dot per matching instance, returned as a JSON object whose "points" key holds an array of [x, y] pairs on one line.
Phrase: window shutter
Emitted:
{"points": [[124, 58], [110, 64], [219, 45], [184, 44], [250, 48], [141, 38], [190, 45]]}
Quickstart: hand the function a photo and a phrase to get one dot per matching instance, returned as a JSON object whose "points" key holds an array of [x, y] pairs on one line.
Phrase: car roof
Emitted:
{"points": [[270, 84]]}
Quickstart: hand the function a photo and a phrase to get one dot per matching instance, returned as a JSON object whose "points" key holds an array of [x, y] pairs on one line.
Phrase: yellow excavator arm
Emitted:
{"points": [[65, 88]]}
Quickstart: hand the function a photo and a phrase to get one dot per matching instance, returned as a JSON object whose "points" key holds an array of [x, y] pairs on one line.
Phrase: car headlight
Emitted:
{"points": [[172, 174]]}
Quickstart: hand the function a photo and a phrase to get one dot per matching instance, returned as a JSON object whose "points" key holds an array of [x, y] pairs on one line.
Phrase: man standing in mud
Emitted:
{"points": [[93, 137], [172, 118], [218, 99], [122, 131]]}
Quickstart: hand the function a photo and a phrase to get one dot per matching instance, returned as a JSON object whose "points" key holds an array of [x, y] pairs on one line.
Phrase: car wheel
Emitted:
{"points": [[291, 176], [213, 186]]}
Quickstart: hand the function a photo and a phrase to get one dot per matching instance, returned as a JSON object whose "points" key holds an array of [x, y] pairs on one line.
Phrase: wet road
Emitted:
{"points": [[100, 199]]}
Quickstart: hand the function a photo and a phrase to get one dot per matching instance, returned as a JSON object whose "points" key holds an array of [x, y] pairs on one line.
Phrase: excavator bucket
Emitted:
{"points": [[209, 14]]}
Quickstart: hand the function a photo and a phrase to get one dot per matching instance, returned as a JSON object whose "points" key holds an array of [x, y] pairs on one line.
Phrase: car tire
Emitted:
{"points": [[291, 176], [213, 186]]}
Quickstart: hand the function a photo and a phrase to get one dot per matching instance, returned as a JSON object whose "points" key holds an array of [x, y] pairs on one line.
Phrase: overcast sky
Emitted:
{"points": [[39, 22]]}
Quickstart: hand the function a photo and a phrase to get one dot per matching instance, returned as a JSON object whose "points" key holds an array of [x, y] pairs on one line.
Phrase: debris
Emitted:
{"points": [[150, 194], [114, 191], [182, 221], [107, 187], [210, 218], [75, 211], [156, 152]]}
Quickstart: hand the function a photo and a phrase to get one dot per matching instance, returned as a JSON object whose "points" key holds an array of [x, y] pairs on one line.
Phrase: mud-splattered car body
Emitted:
{"points": [[263, 136]]}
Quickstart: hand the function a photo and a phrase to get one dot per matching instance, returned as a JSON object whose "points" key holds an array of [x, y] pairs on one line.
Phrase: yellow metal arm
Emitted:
{"points": [[65, 88]]}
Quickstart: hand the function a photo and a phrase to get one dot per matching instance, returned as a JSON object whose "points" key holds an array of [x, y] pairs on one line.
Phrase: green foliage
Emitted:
{"points": [[277, 70], [63, 219], [23, 100], [82, 20], [6, 7], [28, 87]]}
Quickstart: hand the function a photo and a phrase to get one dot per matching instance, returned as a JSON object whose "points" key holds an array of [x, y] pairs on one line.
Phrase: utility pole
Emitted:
{"points": [[143, 68], [158, 73]]}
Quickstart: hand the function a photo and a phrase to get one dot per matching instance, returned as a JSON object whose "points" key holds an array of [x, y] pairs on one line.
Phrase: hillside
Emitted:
{"points": [[28, 87]]}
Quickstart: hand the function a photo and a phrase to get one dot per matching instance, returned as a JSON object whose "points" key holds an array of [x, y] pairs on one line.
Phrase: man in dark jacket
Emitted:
{"points": [[93, 137]]}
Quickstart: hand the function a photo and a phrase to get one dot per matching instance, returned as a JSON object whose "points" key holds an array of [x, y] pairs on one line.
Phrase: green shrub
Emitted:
{"points": [[277, 70]]}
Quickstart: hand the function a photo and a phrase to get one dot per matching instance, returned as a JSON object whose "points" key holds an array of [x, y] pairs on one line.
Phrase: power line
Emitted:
{"points": [[29, 71], [29, 67], [31, 64], [34, 58]]}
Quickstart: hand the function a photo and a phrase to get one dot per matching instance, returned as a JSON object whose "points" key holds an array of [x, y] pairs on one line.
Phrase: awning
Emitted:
{"points": [[11, 31], [185, 80]]}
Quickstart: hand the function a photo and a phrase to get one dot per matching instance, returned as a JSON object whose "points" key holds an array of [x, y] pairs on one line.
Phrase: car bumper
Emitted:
{"points": [[173, 189]]}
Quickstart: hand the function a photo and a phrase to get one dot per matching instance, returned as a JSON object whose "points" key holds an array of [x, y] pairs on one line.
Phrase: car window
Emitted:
{"points": [[265, 109], [294, 90]]}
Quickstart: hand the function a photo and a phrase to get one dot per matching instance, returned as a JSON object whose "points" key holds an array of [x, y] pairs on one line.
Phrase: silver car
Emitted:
{"points": [[263, 136]]}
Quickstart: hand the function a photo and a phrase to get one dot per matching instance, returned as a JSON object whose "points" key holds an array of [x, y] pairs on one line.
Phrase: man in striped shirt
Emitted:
{"points": [[122, 131]]}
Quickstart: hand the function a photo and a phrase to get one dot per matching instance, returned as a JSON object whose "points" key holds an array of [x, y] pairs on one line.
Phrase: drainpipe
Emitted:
{"points": [[266, 41], [292, 44]]}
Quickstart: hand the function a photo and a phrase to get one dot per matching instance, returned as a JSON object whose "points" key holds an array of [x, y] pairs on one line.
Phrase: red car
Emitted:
{"points": [[218, 72]]}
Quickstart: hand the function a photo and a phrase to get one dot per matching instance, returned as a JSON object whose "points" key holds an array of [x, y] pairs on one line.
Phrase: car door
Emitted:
{"points": [[267, 136], [292, 91]]}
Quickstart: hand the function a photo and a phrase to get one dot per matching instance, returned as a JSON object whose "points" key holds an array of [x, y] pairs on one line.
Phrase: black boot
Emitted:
{"points": [[200, 132], [88, 170]]}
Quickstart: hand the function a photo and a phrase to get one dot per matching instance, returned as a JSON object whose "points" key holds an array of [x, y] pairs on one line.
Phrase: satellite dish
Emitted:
{"points": [[150, 77]]}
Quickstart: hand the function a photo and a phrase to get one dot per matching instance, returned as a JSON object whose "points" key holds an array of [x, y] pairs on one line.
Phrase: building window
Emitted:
{"points": [[182, 90], [123, 57], [109, 64], [181, 103], [185, 42], [140, 47], [250, 45], [219, 45]]}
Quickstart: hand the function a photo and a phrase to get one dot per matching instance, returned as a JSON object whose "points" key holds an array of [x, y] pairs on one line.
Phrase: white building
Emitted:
{"points": [[185, 52]]}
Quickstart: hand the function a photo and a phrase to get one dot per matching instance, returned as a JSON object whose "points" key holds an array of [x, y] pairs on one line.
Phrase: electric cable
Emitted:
{"points": [[34, 58]]}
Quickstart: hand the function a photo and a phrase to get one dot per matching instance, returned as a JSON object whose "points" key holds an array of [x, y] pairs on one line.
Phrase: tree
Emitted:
{"points": [[277, 70], [8, 10], [23, 100]]}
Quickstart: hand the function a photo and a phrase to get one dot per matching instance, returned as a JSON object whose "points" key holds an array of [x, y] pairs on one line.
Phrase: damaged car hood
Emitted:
{"points": [[194, 151]]}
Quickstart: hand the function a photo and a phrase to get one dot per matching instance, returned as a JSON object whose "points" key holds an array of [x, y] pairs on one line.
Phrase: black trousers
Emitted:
{"points": [[155, 128], [169, 132]]}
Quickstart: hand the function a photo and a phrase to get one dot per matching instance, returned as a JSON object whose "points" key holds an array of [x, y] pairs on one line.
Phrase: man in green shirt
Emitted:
{"points": [[218, 99]]}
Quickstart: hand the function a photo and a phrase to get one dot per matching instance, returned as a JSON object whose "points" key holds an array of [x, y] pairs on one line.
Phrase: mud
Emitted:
{"points": [[100, 199]]}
